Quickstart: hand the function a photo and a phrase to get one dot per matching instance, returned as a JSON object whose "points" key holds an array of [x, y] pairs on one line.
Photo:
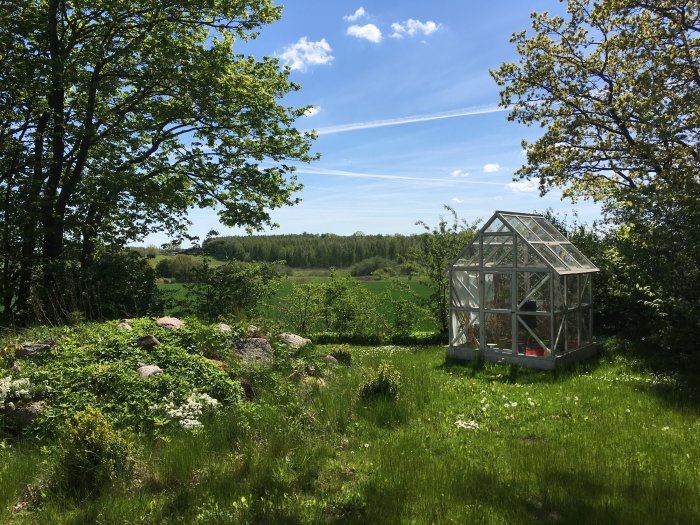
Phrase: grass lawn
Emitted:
{"points": [[609, 442]]}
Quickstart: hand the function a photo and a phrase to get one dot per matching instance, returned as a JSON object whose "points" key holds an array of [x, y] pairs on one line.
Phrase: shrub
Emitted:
{"points": [[367, 267], [163, 269], [119, 284], [343, 354], [93, 454], [384, 381]]}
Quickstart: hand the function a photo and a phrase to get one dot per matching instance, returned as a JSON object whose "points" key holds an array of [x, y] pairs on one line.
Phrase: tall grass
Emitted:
{"points": [[603, 443]]}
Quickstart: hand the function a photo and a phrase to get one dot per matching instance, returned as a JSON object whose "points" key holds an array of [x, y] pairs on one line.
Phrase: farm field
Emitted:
{"points": [[612, 441], [177, 291]]}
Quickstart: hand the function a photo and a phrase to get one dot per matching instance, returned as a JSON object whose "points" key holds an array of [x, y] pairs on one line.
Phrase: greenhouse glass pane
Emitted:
{"points": [[528, 257], [528, 328], [465, 329], [537, 229], [521, 228], [498, 250], [465, 287], [585, 290], [533, 291], [497, 226], [549, 256], [498, 330], [572, 331], [565, 255], [585, 326], [470, 255], [550, 229], [572, 295], [559, 283], [580, 258], [559, 334], [497, 291]]}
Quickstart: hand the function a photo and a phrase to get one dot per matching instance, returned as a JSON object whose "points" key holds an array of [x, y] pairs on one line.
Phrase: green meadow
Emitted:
{"points": [[614, 440]]}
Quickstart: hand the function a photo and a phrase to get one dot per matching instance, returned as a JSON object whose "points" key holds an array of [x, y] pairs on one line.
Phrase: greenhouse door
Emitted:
{"points": [[498, 322]]}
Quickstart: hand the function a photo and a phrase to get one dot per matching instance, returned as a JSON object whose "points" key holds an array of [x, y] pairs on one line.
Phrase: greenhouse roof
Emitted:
{"points": [[549, 245]]}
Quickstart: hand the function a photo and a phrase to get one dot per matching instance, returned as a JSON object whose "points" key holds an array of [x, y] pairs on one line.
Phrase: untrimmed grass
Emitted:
{"points": [[608, 442]]}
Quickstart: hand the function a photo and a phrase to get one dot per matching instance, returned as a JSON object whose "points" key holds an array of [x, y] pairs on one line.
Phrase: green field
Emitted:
{"points": [[272, 310], [612, 441]]}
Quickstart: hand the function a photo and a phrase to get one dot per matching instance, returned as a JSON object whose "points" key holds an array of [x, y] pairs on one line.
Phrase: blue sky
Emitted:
{"points": [[406, 113]]}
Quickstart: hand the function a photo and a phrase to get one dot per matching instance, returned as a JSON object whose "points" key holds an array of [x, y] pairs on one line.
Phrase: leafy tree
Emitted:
{"points": [[184, 267], [232, 289], [438, 248], [163, 268], [616, 87], [118, 116]]}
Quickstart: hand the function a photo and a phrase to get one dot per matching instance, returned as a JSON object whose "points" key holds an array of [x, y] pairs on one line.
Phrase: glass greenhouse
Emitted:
{"points": [[520, 292]]}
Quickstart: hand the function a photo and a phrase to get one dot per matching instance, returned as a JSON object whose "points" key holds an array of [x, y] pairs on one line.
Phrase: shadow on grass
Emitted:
{"points": [[672, 377]]}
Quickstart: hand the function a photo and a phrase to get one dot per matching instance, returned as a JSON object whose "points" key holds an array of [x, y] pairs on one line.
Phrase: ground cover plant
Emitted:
{"points": [[483, 443]]}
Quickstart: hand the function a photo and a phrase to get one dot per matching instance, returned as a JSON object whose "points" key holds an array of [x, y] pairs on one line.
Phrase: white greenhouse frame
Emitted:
{"points": [[521, 293]]}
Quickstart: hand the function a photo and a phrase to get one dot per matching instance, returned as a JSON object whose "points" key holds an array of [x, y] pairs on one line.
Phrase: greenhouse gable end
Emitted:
{"points": [[521, 293]]}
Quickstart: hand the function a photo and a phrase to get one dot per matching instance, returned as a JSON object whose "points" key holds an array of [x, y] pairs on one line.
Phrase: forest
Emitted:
{"points": [[313, 250]]}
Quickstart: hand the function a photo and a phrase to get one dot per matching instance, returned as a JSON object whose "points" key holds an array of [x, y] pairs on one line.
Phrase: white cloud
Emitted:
{"points": [[313, 110], [305, 53], [410, 27], [523, 185], [464, 112], [457, 200], [359, 13], [459, 173], [492, 168], [368, 32]]}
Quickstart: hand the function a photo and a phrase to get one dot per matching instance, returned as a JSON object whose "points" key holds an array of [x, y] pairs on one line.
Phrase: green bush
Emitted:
{"points": [[384, 381], [93, 455], [369, 266], [163, 269], [343, 354]]}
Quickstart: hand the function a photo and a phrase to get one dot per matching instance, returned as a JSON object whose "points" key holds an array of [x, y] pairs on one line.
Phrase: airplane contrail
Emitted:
{"points": [[309, 170], [464, 112]]}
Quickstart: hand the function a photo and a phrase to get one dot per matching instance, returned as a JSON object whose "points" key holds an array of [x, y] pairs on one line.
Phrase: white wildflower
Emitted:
{"points": [[467, 425]]}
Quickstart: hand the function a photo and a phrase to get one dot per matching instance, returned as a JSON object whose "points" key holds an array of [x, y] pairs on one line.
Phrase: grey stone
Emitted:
{"points": [[32, 349], [28, 413], [293, 340], [330, 359], [149, 370], [124, 326], [170, 322], [147, 341], [223, 327], [255, 349]]}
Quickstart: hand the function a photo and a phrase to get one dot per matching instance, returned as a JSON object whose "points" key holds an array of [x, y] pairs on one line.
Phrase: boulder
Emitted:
{"points": [[223, 327], [149, 370], [28, 413], [255, 349], [124, 326], [32, 349], [295, 341], [147, 341], [330, 359], [169, 322]]}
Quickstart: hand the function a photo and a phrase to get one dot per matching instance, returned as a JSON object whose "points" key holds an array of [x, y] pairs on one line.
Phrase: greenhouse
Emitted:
{"points": [[521, 293]]}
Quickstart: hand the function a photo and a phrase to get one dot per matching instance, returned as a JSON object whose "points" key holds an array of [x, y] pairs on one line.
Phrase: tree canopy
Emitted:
{"points": [[118, 116], [616, 86]]}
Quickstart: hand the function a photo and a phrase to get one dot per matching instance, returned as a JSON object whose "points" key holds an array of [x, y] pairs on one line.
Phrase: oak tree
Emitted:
{"points": [[119, 116]]}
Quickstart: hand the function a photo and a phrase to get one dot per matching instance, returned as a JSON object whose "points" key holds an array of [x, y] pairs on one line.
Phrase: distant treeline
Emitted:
{"points": [[312, 250]]}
